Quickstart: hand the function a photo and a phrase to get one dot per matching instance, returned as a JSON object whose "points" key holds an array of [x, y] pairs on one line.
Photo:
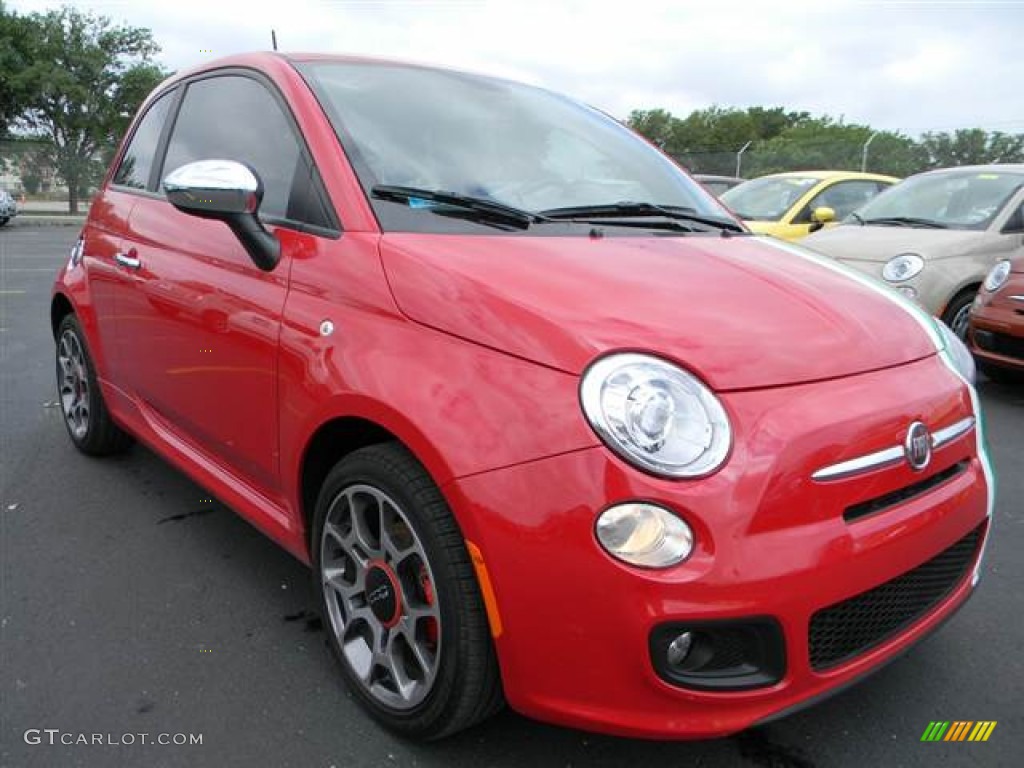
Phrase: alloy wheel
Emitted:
{"points": [[74, 383], [961, 320], [380, 598]]}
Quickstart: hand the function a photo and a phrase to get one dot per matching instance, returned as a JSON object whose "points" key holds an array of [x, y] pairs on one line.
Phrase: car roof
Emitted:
{"points": [[823, 175], [990, 168], [271, 59]]}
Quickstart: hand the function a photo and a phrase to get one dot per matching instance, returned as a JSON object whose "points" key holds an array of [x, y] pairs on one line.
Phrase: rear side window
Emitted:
{"points": [[137, 162], [237, 118]]}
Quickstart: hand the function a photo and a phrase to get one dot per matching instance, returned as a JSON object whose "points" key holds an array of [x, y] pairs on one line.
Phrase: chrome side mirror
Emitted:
{"points": [[230, 192]]}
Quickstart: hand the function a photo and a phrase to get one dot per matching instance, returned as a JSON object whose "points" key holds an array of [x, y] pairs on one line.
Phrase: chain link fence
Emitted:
{"points": [[757, 159]]}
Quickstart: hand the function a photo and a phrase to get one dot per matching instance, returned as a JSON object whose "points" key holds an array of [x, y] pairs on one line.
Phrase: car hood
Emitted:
{"points": [[852, 242], [742, 312]]}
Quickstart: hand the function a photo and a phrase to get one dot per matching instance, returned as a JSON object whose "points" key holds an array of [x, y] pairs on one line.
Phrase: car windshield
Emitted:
{"points": [[952, 199], [517, 145], [767, 198]]}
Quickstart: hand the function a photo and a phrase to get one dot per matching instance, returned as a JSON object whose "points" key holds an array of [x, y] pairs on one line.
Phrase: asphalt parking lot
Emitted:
{"points": [[130, 602]]}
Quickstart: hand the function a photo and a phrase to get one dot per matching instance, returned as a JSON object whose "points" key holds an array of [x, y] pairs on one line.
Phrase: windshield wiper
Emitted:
{"points": [[489, 209], [907, 221], [857, 216], [629, 208]]}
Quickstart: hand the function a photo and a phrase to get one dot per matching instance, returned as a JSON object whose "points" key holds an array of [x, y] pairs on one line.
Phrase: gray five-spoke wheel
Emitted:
{"points": [[74, 383], [380, 597]]}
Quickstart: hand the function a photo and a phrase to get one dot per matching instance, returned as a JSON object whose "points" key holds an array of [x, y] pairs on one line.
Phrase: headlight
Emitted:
{"points": [[643, 534], [902, 267], [958, 352], [656, 415], [997, 276]]}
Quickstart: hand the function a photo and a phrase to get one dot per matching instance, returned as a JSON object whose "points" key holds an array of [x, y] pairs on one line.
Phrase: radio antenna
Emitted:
{"points": [[273, 39]]}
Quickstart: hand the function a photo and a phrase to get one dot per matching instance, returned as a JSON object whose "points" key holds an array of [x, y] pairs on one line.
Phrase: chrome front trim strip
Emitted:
{"points": [[867, 463], [872, 462], [1017, 298], [948, 434]]}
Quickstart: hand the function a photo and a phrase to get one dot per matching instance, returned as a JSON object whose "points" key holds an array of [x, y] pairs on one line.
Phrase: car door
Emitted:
{"points": [[202, 344], [102, 238]]}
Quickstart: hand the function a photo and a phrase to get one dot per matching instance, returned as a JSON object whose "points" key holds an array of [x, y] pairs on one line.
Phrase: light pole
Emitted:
{"points": [[864, 152], [739, 158]]}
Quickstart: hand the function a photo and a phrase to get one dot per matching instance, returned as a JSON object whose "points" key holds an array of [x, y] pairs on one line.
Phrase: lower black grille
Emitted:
{"points": [[1000, 343], [902, 495], [846, 629]]}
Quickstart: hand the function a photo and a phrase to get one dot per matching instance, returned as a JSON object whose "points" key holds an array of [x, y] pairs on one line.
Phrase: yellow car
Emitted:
{"points": [[792, 205]]}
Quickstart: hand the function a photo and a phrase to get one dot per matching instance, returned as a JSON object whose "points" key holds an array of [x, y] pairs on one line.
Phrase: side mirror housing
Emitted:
{"points": [[230, 192], [823, 215]]}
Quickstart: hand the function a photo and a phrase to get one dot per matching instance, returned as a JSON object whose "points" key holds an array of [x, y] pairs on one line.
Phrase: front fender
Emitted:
{"points": [[461, 408]]}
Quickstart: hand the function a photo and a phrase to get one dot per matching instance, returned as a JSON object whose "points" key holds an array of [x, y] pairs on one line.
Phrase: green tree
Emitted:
{"points": [[87, 77], [15, 58], [653, 124], [822, 143], [707, 140], [972, 146], [770, 122]]}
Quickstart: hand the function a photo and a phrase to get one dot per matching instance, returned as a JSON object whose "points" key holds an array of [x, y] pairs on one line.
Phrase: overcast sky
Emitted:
{"points": [[910, 66]]}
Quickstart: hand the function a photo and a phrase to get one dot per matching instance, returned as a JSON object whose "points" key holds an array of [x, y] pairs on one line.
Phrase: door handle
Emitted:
{"points": [[129, 259]]}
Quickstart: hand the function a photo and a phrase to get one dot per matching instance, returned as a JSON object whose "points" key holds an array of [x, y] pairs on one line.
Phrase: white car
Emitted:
{"points": [[935, 236], [8, 208]]}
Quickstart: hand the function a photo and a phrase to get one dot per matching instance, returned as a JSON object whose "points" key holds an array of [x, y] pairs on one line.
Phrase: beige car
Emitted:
{"points": [[935, 236]]}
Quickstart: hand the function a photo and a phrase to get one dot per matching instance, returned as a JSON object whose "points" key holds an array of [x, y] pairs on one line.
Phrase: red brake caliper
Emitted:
{"points": [[427, 588]]}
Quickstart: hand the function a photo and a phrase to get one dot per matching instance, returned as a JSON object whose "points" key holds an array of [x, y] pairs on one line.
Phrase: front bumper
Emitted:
{"points": [[575, 624]]}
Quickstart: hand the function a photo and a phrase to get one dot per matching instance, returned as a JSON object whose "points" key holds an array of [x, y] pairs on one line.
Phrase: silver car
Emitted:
{"points": [[935, 236], [8, 208]]}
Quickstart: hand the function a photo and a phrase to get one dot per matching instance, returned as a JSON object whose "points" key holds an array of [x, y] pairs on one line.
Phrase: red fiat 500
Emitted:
{"points": [[549, 425]]}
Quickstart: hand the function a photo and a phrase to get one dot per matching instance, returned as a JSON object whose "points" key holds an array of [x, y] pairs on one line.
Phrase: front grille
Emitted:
{"points": [[1000, 343], [881, 503], [847, 629]]}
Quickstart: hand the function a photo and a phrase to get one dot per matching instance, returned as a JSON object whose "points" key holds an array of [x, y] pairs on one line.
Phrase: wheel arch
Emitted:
{"points": [[60, 307], [971, 285], [337, 436]]}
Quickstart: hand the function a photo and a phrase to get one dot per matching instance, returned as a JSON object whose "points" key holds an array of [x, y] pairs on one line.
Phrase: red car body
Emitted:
{"points": [[996, 334], [469, 351]]}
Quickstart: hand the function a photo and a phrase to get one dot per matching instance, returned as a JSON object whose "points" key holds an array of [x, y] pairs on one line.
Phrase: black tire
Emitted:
{"points": [[100, 435], [955, 316], [466, 684], [1001, 375]]}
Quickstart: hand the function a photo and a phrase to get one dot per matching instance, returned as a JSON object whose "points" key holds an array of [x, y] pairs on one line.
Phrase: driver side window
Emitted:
{"points": [[843, 197], [236, 118]]}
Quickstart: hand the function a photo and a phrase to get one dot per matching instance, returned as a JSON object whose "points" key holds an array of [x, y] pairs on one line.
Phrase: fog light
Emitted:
{"points": [[719, 654], [679, 649], [908, 290], [644, 534]]}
